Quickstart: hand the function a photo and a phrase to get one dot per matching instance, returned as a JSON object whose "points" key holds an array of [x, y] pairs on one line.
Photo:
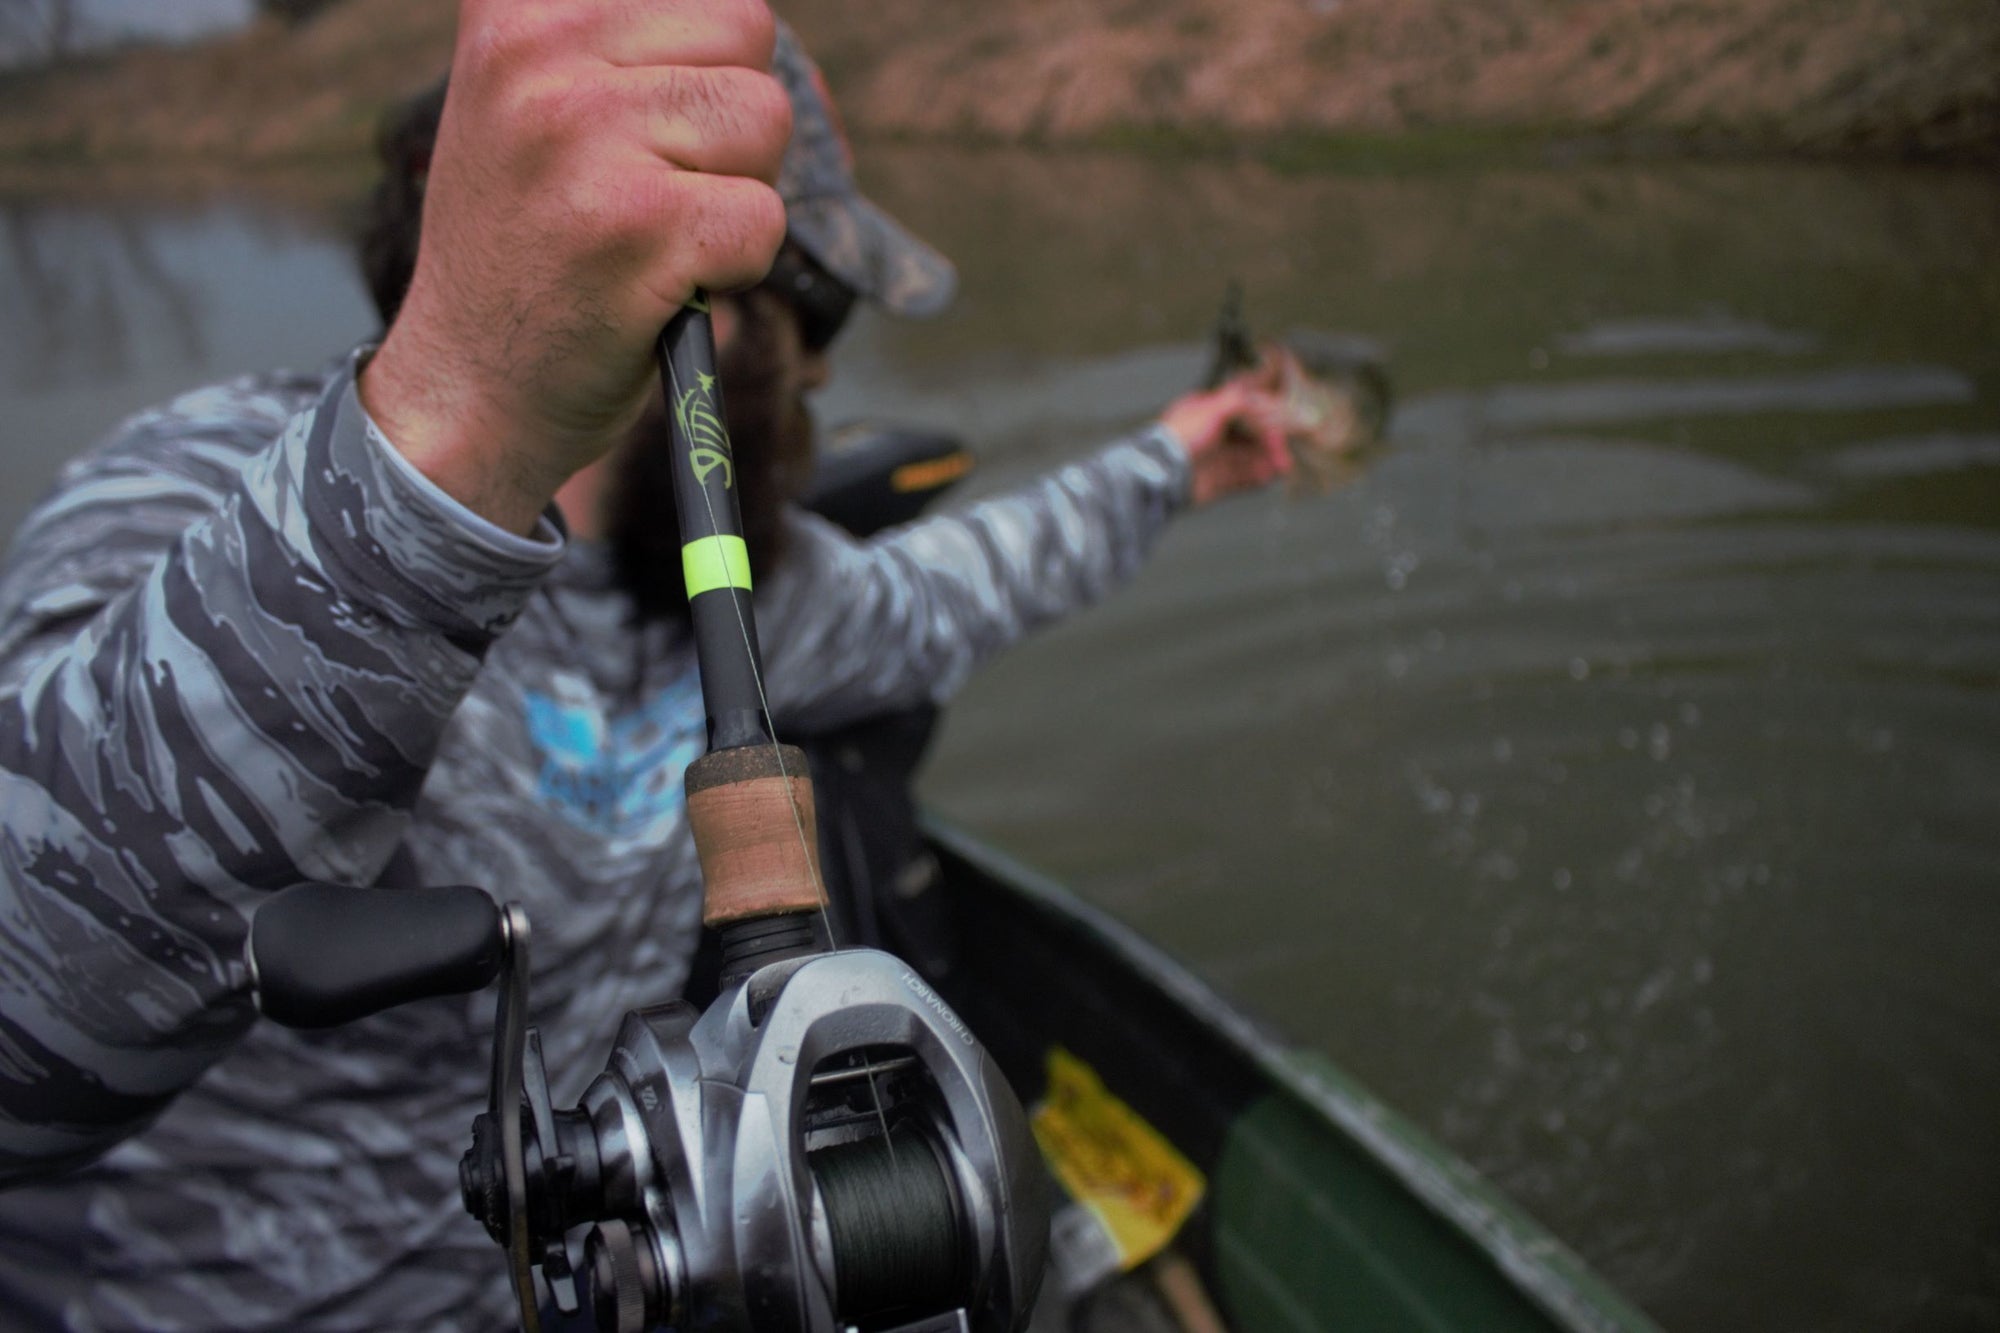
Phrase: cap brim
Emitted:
{"points": [[872, 253]]}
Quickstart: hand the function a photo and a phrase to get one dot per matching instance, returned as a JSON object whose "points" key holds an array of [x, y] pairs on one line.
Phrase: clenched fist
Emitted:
{"points": [[597, 161]]}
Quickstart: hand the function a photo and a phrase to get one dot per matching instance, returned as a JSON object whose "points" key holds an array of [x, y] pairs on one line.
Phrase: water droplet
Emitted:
{"points": [[1659, 742], [1561, 878], [1579, 669]]}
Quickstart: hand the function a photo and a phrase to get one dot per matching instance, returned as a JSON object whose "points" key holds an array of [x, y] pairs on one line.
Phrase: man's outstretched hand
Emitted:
{"points": [[1235, 437], [596, 162]]}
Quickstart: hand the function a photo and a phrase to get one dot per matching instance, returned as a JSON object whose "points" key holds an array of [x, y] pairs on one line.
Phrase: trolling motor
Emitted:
{"points": [[825, 1149]]}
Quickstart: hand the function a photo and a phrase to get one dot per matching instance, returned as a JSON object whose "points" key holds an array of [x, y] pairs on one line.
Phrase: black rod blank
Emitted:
{"points": [[714, 559]]}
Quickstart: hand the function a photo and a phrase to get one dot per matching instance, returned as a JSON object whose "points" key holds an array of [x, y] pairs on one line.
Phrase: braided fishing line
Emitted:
{"points": [[894, 1227]]}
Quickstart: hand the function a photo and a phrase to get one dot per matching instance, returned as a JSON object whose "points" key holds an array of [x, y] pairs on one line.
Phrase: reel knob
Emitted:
{"points": [[481, 1182]]}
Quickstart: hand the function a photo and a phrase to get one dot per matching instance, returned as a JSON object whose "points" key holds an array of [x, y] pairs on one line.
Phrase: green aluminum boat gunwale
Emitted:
{"points": [[1325, 1208]]}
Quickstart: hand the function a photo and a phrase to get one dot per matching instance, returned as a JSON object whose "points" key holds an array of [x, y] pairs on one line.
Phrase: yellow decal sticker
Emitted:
{"points": [[1112, 1162], [708, 563]]}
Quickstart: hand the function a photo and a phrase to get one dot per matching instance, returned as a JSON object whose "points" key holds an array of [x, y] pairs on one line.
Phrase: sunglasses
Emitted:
{"points": [[820, 301]]}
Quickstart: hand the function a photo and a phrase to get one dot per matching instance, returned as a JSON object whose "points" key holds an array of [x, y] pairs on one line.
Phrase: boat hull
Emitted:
{"points": [[1321, 1208]]}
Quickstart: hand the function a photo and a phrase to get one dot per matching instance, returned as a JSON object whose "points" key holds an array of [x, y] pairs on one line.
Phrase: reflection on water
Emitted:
{"points": [[1607, 777], [82, 283], [104, 310], [1658, 337]]}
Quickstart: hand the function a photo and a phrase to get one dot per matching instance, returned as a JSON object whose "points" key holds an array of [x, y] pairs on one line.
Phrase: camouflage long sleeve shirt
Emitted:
{"points": [[242, 644]]}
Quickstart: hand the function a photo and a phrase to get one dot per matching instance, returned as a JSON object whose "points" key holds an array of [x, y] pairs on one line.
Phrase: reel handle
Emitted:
{"points": [[325, 954]]}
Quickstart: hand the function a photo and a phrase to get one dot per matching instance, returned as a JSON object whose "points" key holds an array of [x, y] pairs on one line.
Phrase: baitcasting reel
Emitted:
{"points": [[825, 1148]]}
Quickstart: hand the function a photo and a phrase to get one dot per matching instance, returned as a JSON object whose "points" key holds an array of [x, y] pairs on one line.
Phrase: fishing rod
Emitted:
{"points": [[826, 1148], [750, 800]]}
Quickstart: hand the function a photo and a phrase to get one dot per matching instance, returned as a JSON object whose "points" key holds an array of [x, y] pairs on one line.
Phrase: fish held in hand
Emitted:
{"points": [[1332, 419], [1333, 394]]}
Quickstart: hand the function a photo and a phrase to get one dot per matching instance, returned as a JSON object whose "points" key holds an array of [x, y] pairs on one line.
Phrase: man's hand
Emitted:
{"points": [[597, 161], [1235, 437]]}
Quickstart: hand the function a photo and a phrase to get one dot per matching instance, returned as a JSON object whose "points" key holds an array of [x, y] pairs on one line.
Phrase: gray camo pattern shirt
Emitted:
{"points": [[243, 644]]}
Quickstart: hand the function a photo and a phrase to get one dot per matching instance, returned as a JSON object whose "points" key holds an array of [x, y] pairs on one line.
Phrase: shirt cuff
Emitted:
{"points": [[398, 542], [546, 541], [1166, 446]]}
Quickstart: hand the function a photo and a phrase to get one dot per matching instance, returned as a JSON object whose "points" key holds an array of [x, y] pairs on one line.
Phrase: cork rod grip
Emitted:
{"points": [[746, 807]]}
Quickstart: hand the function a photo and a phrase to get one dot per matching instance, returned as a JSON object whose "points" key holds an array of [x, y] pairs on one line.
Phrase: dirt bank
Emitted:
{"points": [[265, 98], [1891, 77], [1915, 76]]}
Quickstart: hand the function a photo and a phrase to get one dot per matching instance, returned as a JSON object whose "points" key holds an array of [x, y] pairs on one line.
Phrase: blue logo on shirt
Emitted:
{"points": [[619, 776]]}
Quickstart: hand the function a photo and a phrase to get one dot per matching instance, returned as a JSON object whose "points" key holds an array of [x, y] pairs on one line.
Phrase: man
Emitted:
{"points": [[331, 627]]}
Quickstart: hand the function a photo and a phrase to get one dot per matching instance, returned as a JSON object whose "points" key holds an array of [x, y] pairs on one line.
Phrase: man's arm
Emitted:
{"points": [[227, 668], [259, 697], [910, 615]]}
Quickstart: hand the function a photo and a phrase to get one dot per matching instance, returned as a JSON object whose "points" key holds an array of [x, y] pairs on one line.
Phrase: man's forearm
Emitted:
{"points": [[912, 614], [259, 706]]}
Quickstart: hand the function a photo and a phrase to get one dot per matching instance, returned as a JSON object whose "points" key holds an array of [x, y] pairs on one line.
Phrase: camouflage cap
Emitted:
{"points": [[826, 214]]}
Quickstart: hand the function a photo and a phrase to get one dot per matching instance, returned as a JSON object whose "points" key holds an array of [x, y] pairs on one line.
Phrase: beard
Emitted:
{"points": [[771, 440]]}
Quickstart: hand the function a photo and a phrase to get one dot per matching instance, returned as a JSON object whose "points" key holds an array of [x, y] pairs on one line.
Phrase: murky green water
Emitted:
{"points": [[1609, 778]]}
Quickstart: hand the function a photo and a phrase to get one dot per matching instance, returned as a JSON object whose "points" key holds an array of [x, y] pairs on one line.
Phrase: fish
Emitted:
{"points": [[1333, 392]]}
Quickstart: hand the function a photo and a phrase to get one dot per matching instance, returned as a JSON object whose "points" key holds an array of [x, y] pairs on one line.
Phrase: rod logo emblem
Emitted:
{"points": [[701, 425]]}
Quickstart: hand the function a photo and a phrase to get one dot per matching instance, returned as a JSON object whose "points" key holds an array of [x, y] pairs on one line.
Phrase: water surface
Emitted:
{"points": [[1607, 777]]}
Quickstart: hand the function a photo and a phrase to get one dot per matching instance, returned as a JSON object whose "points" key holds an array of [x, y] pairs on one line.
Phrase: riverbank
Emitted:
{"points": [[1653, 76], [268, 100], [1320, 83]]}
